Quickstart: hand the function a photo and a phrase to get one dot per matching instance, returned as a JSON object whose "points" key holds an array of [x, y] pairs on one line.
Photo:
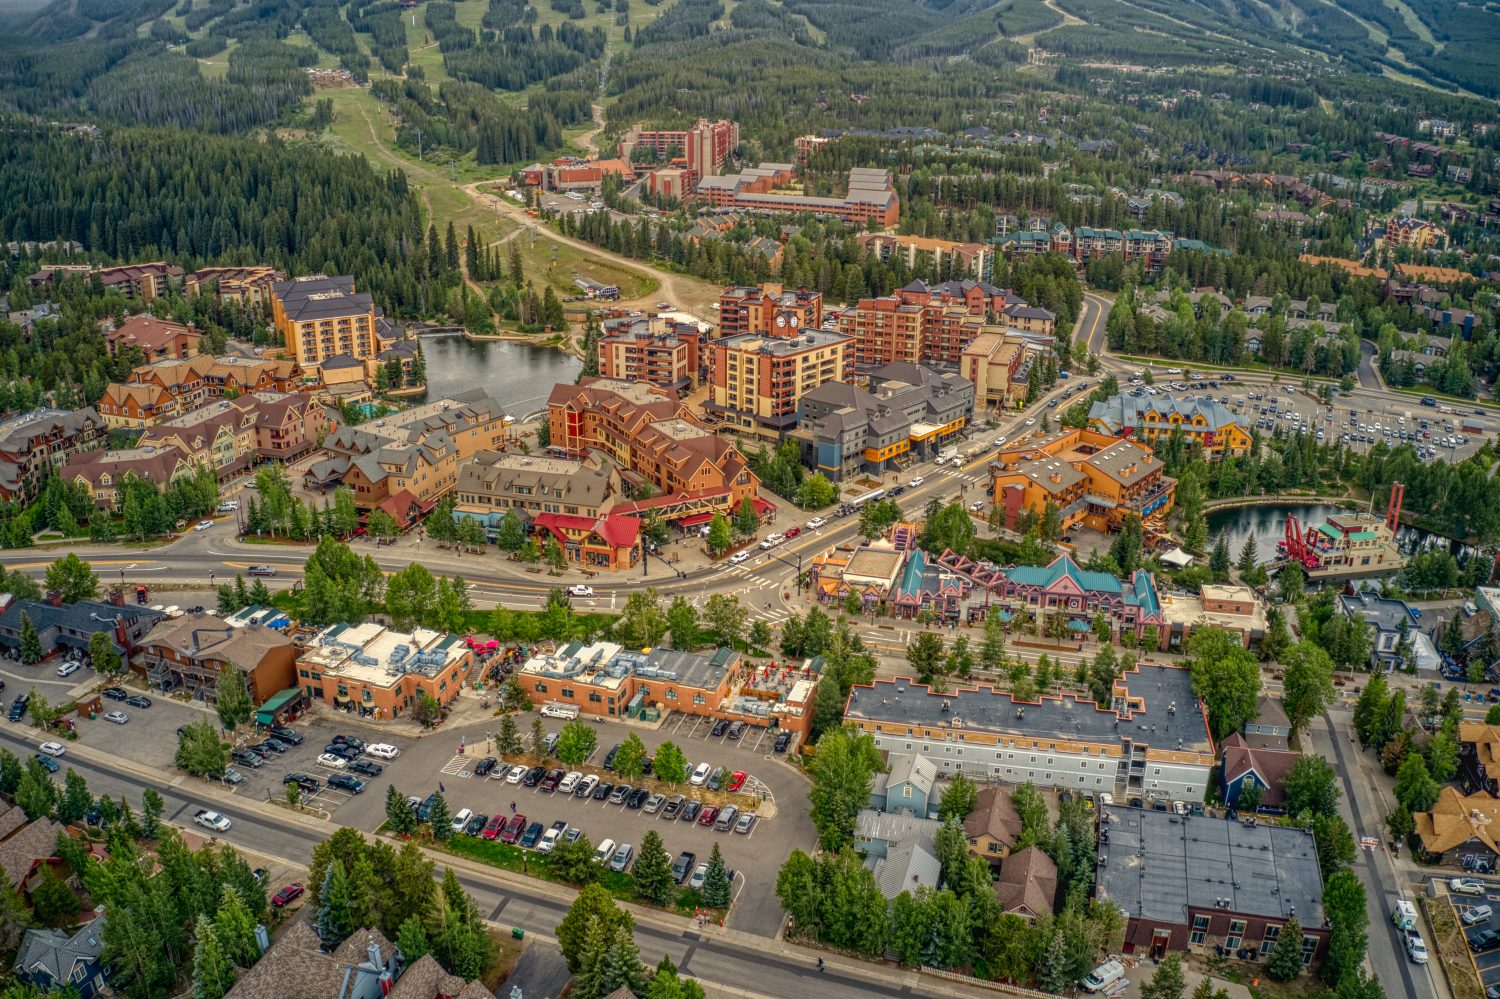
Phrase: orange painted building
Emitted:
{"points": [[770, 309], [925, 324], [377, 672], [1093, 479]]}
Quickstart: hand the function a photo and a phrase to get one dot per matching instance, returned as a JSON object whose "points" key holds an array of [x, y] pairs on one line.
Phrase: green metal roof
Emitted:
{"points": [[1329, 530], [266, 713]]}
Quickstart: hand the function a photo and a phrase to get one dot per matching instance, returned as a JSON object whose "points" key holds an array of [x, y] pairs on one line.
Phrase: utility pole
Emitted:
{"points": [[419, 143]]}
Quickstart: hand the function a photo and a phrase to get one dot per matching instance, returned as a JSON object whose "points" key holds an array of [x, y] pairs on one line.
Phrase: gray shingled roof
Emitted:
{"points": [[1123, 411], [54, 954]]}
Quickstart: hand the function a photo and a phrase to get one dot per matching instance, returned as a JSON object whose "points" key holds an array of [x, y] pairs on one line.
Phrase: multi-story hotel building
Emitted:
{"points": [[652, 439], [756, 380], [926, 324], [161, 391], [999, 363], [141, 282], [158, 339], [44, 439], [1152, 742], [769, 309], [702, 149], [249, 286], [1092, 478], [971, 259], [321, 317], [651, 349]]}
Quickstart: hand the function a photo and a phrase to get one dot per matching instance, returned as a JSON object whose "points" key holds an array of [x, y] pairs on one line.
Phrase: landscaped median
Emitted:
{"points": [[686, 902], [1453, 950]]}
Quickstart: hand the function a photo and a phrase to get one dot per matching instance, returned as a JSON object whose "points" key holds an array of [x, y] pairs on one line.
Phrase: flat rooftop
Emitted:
{"points": [[1154, 865], [374, 654], [605, 664], [1170, 718]]}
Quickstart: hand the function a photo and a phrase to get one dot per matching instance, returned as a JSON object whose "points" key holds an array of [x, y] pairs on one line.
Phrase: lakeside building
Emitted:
{"points": [[377, 672], [653, 349], [1152, 743], [1203, 422], [908, 413], [1093, 479], [167, 389], [1214, 885], [320, 318], [653, 438]]}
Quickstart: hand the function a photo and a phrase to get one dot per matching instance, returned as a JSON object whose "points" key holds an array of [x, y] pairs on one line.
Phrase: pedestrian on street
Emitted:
{"points": [[512, 808], [441, 788]]}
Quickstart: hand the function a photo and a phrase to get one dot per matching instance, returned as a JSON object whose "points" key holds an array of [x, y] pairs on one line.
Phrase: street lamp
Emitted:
{"points": [[797, 565]]}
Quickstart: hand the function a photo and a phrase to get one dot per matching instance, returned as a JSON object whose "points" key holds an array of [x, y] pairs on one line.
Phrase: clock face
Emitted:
{"points": [[796, 320], [781, 320]]}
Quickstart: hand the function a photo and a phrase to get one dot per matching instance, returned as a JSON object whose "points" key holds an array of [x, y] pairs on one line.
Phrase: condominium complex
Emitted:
{"points": [[141, 282], [192, 652], [161, 391], [33, 444], [405, 462], [972, 260], [907, 415], [871, 195], [1091, 478], [1151, 742], [321, 317], [249, 286], [756, 380], [652, 438], [770, 309], [927, 324], [1202, 422], [653, 349], [699, 150], [1149, 247], [157, 339], [998, 364]]}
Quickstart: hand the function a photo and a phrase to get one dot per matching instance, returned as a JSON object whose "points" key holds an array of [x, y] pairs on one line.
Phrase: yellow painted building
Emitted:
{"points": [[321, 317], [1202, 422], [1094, 479]]}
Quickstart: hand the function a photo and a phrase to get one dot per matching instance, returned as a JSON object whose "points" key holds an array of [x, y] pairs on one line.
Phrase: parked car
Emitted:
{"points": [[18, 707], [532, 835], [700, 774], [720, 727], [305, 782], [516, 773], [736, 781], [736, 729], [706, 816], [552, 779], [52, 748], [118, 717], [484, 766], [609, 757], [637, 797], [654, 803], [1475, 914], [604, 851], [287, 895], [461, 819], [333, 761], [476, 825], [586, 786], [383, 750], [232, 776], [569, 783], [715, 779], [115, 693], [672, 807], [245, 758], [622, 857], [366, 767], [347, 782], [47, 762], [783, 741], [493, 827], [690, 810], [533, 776], [138, 701], [287, 735], [745, 822], [1482, 939], [1466, 886], [513, 829], [700, 875], [603, 790], [620, 793], [69, 668]]}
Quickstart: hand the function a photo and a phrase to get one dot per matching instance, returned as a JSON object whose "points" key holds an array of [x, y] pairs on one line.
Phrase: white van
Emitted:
{"points": [[1404, 914], [462, 819], [1104, 976], [604, 851], [555, 709]]}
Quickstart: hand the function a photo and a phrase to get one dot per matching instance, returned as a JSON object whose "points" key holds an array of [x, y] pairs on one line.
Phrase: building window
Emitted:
{"points": [[541, 688], [671, 694], [1309, 948], [567, 692], [1200, 930], [1269, 942]]}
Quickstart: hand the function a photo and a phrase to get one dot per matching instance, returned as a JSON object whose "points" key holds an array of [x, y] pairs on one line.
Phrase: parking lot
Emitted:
{"points": [[756, 907], [1350, 420], [1486, 961], [267, 780]]}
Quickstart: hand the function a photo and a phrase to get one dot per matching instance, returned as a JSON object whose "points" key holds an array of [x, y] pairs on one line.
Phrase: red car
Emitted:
{"points": [[792, 532], [287, 895], [513, 829], [736, 781], [493, 826], [706, 817]]}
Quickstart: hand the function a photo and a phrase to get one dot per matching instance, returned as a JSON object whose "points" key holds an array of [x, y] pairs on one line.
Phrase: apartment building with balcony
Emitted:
{"points": [[410, 458], [158, 339], [908, 414], [768, 308], [1093, 479], [700, 150], [193, 652], [870, 195], [998, 363], [102, 473], [652, 349], [653, 439], [377, 672], [320, 317], [1202, 422], [165, 390], [928, 324], [756, 380], [251, 287], [135, 407], [139, 282], [233, 435], [1149, 247], [972, 260], [1151, 743], [34, 443]]}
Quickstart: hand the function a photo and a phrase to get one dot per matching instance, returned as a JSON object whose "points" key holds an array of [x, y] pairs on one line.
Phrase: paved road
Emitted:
{"points": [[728, 963]]}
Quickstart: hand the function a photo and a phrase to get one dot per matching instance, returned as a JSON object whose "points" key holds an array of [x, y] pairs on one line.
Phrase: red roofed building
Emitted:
{"points": [[608, 542], [159, 339]]}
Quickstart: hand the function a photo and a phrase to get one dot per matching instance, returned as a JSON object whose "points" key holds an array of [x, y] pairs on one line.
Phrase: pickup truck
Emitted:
{"points": [[1415, 948]]}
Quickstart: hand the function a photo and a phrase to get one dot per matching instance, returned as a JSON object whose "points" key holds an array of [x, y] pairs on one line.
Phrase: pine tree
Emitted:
{"points": [[335, 921], [1218, 562], [235, 928], [1249, 556], [652, 873], [1285, 962], [1167, 981], [413, 941], [31, 642], [399, 815], [232, 701], [440, 819], [716, 882], [508, 740], [1052, 971], [213, 971]]}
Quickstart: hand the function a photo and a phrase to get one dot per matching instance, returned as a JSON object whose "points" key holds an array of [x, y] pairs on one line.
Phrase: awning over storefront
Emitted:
{"points": [[267, 712]]}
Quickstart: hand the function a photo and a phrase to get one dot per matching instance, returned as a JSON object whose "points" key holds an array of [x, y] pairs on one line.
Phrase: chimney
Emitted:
{"points": [[54, 597], [373, 949], [1054, 478]]}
